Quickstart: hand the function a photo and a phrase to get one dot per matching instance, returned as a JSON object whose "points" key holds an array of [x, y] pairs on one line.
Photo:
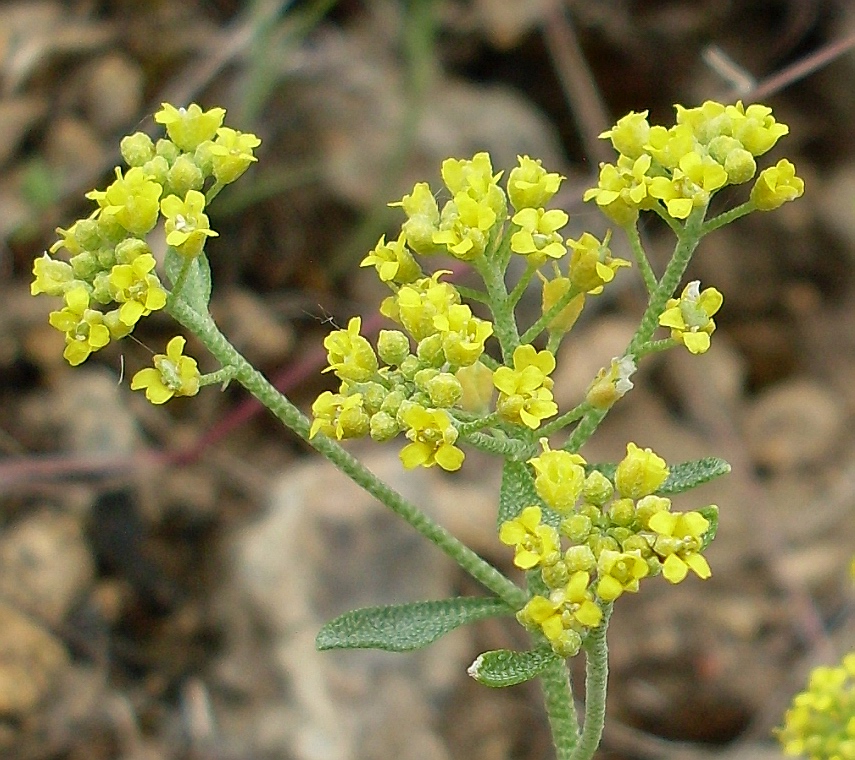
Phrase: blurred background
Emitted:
{"points": [[163, 571]]}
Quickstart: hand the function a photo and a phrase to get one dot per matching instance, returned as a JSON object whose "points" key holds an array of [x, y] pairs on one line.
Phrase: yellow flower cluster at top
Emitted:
{"points": [[820, 723], [109, 281], [677, 169], [431, 376], [612, 534]]}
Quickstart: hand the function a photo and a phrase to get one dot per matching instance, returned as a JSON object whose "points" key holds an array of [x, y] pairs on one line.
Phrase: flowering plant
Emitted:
{"points": [[458, 370]]}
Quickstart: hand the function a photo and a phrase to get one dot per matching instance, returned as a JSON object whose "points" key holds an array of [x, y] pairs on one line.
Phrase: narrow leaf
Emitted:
{"points": [[196, 290], [504, 667], [404, 627]]}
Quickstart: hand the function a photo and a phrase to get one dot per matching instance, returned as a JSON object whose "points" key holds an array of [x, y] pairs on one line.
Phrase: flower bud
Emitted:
{"points": [[622, 512], [137, 149], [429, 350], [167, 150], [129, 249], [598, 488], [476, 382], [383, 427], [444, 390], [580, 558], [777, 185], [576, 527], [392, 347], [530, 185], [184, 175], [640, 472]]}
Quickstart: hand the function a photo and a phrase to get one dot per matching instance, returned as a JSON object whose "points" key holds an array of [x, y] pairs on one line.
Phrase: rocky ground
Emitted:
{"points": [[163, 571]]}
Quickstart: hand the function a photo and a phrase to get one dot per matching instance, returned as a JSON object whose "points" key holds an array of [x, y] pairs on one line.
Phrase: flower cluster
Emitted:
{"points": [[676, 169], [109, 281], [608, 535], [432, 376], [820, 723]]}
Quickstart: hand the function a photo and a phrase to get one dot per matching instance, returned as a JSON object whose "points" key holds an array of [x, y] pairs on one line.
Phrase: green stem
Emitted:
{"points": [[520, 287], [224, 376], [560, 708], [203, 327], [565, 419], [596, 678], [655, 346], [550, 314], [178, 285], [727, 217], [472, 294], [508, 449], [687, 242], [640, 256], [504, 323]]}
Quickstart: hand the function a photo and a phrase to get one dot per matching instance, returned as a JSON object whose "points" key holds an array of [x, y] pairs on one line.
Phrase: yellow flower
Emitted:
{"points": [[189, 127], [173, 374], [416, 306], [567, 612], [422, 219], [821, 720], [777, 185], [132, 201], [463, 335], [534, 544], [538, 237], [393, 262], [340, 416], [231, 154], [350, 355], [690, 316], [694, 180], [622, 189], [591, 263], [52, 277], [530, 185], [679, 540], [618, 572], [464, 227], [629, 136], [525, 392], [84, 328], [559, 478], [137, 288], [432, 437], [187, 226], [640, 472]]}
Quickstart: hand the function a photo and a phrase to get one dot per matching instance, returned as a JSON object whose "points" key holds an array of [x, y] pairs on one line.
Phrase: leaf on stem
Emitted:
{"points": [[518, 492], [505, 667], [196, 288], [405, 627]]}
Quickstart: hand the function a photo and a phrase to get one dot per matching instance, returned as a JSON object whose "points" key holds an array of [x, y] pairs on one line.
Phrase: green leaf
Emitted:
{"points": [[682, 477], [405, 627], [711, 513], [518, 492], [688, 475], [504, 667], [196, 290]]}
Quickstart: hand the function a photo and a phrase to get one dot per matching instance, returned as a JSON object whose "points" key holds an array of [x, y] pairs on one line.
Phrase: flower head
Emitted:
{"points": [[525, 392], [187, 226], [84, 328], [52, 277], [530, 185], [173, 374], [189, 127], [559, 478], [137, 288], [640, 472], [393, 262], [231, 154], [591, 263], [131, 200], [350, 355], [432, 437], [821, 720], [538, 238], [339, 416], [618, 572], [535, 544], [679, 540], [690, 316], [777, 185]]}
